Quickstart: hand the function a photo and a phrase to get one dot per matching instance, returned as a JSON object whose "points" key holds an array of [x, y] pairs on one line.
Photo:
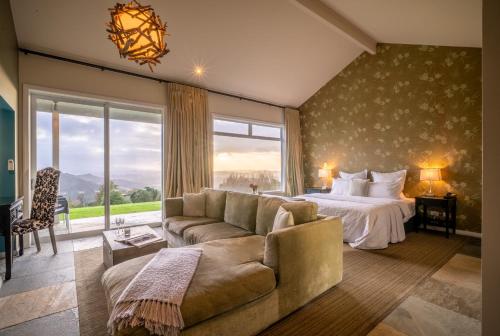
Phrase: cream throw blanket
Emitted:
{"points": [[153, 298]]}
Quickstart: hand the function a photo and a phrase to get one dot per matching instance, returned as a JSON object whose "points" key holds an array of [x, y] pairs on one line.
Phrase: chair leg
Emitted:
{"points": [[68, 224], [37, 241], [21, 245], [53, 239]]}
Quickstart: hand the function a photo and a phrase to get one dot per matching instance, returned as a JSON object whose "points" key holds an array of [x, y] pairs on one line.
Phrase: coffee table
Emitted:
{"points": [[116, 252]]}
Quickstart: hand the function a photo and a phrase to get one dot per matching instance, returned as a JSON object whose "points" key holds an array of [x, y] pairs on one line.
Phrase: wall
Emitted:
{"points": [[8, 99], [491, 168], [7, 149], [239, 108], [404, 108], [8, 56]]}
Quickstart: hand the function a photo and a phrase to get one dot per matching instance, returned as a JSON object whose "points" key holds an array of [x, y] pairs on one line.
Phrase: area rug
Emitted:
{"points": [[92, 309], [374, 283]]}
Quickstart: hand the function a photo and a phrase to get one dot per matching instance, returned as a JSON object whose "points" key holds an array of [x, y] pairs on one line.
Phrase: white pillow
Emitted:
{"points": [[358, 187], [399, 175], [385, 189], [340, 187], [283, 219], [359, 175]]}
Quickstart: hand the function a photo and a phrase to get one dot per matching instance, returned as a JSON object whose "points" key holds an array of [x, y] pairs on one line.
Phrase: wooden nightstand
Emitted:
{"points": [[315, 190], [436, 211]]}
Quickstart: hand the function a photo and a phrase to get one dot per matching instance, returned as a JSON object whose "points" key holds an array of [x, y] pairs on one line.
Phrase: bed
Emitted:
{"points": [[369, 222]]}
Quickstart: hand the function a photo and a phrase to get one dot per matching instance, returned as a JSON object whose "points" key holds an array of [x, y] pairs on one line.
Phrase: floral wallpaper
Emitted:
{"points": [[406, 107]]}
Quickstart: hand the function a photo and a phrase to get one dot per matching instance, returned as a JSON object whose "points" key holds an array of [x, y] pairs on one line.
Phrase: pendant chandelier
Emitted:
{"points": [[138, 33]]}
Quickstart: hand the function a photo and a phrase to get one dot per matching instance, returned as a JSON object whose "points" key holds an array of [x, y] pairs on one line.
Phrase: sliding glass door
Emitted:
{"points": [[110, 161], [135, 166]]}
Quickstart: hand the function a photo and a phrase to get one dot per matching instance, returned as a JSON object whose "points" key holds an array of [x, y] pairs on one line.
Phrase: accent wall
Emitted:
{"points": [[406, 107]]}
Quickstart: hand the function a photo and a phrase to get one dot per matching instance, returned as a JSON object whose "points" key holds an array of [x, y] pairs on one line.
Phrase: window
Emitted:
{"points": [[247, 153], [94, 144]]}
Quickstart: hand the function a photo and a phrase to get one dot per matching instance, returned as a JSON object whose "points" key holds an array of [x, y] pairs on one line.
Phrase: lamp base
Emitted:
{"points": [[429, 192]]}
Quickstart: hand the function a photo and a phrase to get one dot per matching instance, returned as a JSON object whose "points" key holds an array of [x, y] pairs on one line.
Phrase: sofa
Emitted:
{"points": [[249, 276]]}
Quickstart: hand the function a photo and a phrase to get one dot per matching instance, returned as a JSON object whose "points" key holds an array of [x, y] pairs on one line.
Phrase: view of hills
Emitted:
{"points": [[84, 187]]}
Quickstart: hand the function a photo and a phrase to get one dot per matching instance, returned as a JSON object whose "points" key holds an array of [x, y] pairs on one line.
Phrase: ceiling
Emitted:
{"points": [[433, 22], [269, 50]]}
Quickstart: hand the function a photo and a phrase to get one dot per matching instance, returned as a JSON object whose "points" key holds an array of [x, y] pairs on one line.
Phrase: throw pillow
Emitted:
{"points": [[358, 187], [283, 219], [193, 205]]}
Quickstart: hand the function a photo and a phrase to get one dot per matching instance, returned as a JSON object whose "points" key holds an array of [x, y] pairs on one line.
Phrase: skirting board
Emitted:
{"points": [[459, 232]]}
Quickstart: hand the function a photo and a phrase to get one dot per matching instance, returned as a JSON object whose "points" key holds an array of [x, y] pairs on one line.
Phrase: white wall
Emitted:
{"points": [[491, 169], [240, 108]]}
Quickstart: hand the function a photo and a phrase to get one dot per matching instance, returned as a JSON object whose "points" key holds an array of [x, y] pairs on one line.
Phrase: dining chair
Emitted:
{"points": [[42, 209]]}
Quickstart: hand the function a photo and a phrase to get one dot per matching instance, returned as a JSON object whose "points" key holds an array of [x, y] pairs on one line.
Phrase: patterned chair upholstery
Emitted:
{"points": [[42, 207]]}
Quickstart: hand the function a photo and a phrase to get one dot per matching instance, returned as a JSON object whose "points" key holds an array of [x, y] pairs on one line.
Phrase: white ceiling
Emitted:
{"points": [[265, 49], [269, 50], [433, 22]]}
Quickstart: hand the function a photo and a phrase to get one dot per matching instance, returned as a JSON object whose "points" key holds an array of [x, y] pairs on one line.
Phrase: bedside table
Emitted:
{"points": [[438, 211], [316, 190]]}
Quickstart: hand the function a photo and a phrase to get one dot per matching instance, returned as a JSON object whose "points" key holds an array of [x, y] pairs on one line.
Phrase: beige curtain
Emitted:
{"points": [[294, 165], [188, 141]]}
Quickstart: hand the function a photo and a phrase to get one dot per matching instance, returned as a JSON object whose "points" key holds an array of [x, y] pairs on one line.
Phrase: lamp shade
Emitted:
{"points": [[430, 174], [138, 33], [324, 171]]}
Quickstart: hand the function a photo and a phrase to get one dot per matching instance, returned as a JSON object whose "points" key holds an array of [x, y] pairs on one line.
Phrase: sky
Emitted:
{"points": [[135, 148]]}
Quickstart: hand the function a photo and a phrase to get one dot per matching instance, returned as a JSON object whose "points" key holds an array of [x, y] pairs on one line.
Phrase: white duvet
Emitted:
{"points": [[369, 222]]}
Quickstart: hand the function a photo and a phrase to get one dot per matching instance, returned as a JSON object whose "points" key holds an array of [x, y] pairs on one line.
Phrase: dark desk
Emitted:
{"points": [[11, 209]]}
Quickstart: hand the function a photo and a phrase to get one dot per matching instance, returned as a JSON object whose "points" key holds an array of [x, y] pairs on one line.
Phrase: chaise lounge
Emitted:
{"points": [[248, 276]]}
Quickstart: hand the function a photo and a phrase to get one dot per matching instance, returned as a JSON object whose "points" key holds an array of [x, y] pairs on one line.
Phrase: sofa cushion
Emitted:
{"points": [[230, 274], [178, 224], [241, 210], [193, 205], [266, 212], [215, 203], [303, 211], [173, 239], [214, 231]]}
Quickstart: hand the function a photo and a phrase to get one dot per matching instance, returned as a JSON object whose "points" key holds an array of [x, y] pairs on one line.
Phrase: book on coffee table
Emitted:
{"points": [[140, 239]]}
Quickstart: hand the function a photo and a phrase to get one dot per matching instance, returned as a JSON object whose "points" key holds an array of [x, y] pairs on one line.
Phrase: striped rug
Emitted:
{"points": [[374, 283]]}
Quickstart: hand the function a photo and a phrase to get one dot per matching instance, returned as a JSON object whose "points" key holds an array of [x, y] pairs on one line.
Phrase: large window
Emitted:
{"points": [[247, 153], [109, 156]]}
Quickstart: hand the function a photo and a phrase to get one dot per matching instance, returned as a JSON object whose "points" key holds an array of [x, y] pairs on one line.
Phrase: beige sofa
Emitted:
{"points": [[248, 277]]}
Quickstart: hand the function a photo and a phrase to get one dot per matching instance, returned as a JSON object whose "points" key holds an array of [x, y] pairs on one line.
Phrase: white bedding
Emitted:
{"points": [[369, 222]]}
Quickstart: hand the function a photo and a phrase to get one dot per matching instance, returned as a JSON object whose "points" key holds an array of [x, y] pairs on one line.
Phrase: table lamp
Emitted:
{"points": [[430, 175], [324, 173]]}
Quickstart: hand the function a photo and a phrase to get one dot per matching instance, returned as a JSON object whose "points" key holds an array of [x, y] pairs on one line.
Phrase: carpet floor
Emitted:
{"points": [[374, 283]]}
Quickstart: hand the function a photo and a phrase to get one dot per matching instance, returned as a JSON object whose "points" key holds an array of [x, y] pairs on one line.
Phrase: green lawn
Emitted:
{"points": [[118, 209]]}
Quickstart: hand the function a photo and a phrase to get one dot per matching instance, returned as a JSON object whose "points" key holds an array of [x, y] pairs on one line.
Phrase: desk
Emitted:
{"points": [[11, 209]]}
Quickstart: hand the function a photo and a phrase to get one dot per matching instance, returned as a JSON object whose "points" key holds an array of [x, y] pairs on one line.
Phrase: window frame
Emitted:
{"points": [[251, 122]]}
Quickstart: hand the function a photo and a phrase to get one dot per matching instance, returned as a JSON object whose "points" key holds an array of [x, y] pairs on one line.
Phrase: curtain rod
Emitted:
{"points": [[124, 72]]}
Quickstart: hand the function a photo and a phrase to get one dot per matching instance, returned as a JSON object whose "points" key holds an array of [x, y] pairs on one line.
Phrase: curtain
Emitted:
{"points": [[294, 167], [187, 141]]}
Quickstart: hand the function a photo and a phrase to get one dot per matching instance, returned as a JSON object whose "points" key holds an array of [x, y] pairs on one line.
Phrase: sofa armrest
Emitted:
{"points": [[307, 260], [173, 207]]}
